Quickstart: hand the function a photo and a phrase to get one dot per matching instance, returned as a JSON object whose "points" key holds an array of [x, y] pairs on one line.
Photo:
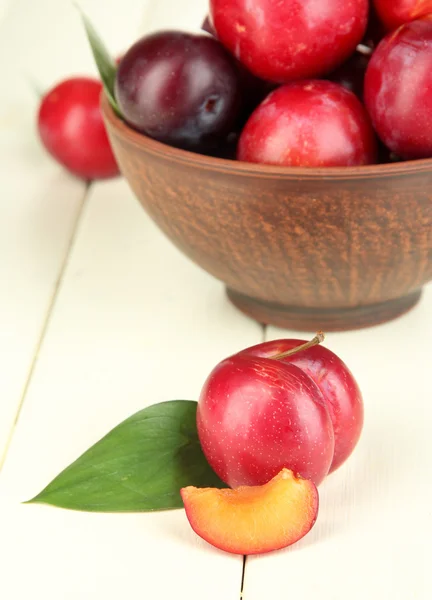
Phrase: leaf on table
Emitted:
{"points": [[104, 61], [139, 466]]}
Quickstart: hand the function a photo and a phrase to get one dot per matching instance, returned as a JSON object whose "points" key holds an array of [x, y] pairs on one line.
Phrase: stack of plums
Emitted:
{"points": [[309, 83]]}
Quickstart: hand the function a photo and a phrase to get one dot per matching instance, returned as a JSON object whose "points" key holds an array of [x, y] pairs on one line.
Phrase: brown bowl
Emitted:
{"points": [[330, 248]]}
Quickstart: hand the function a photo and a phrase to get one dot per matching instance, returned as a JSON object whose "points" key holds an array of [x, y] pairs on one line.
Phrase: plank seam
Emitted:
{"points": [[46, 322]]}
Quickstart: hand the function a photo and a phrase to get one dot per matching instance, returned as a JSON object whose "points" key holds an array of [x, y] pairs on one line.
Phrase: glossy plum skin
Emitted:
{"points": [[337, 384], [309, 124], [71, 128], [256, 416], [398, 90], [179, 88], [394, 13], [294, 39]]}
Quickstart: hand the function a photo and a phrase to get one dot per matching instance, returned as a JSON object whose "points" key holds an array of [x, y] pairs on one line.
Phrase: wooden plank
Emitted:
{"points": [[49, 42], [40, 206], [4, 7], [373, 532], [39, 213], [168, 14], [41, 202], [135, 323]]}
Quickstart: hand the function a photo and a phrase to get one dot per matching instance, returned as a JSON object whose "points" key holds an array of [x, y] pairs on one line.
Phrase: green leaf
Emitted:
{"points": [[139, 466], [104, 62]]}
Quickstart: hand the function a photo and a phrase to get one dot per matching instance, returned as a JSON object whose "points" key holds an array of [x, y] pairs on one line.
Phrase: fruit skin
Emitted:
{"points": [[394, 13], [179, 88], [294, 39], [309, 123], [337, 384], [253, 520], [72, 130], [398, 89], [257, 415]]}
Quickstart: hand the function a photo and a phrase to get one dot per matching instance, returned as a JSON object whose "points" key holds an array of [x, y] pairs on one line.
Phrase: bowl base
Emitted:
{"points": [[325, 319]]}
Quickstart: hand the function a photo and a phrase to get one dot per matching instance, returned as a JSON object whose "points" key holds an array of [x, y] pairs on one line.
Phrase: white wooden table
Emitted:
{"points": [[100, 316]]}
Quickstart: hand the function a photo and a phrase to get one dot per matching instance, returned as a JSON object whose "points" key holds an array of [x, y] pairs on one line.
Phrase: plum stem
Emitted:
{"points": [[364, 49], [314, 342]]}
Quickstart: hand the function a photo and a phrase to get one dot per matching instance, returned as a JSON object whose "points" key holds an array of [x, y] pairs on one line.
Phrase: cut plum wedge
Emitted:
{"points": [[256, 519]]}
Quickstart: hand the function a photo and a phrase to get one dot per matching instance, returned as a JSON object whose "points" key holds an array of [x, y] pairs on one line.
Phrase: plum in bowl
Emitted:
{"points": [[335, 248]]}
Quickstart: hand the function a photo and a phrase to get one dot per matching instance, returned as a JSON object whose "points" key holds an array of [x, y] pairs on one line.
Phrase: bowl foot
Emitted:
{"points": [[325, 319]]}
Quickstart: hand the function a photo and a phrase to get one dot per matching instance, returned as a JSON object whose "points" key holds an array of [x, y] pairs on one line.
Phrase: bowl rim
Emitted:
{"points": [[224, 165]]}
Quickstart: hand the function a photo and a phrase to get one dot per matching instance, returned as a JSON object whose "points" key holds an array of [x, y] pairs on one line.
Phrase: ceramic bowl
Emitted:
{"points": [[307, 249]]}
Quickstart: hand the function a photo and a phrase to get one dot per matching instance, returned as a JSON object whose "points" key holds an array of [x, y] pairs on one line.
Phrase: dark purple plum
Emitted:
{"points": [[181, 89]]}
